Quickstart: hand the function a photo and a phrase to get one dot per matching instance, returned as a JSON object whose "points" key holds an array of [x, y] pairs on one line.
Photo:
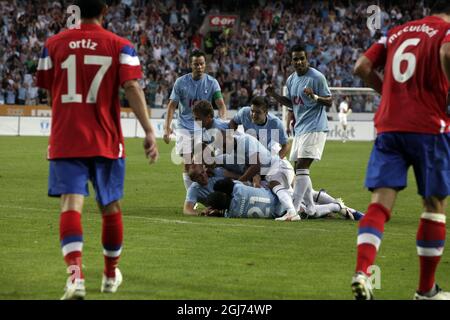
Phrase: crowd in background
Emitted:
{"points": [[166, 31]]}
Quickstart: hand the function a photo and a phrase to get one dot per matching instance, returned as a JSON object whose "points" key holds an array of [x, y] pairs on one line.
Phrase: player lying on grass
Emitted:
{"points": [[233, 199], [202, 186], [248, 151]]}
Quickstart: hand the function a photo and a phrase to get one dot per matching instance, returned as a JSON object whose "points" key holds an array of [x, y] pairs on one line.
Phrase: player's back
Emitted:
{"points": [[83, 69], [414, 94], [249, 202]]}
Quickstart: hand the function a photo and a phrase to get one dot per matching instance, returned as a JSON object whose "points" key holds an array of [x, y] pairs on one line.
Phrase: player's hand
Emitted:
{"points": [[151, 148], [270, 91], [167, 134], [289, 131], [309, 92]]}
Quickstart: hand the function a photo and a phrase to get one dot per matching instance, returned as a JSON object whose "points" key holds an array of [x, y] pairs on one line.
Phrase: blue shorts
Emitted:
{"points": [[71, 176], [428, 154]]}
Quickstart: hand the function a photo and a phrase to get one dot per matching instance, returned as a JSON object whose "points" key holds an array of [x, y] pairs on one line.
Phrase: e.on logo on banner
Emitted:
{"points": [[222, 21]]}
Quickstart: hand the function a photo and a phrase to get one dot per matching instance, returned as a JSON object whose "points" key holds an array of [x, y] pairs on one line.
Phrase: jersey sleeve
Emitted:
{"points": [[288, 87], [175, 94], [239, 116], [129, 65], [45, 69], [322, 87], [283, 136], [377, 53], [217, 91], [192, 195]]}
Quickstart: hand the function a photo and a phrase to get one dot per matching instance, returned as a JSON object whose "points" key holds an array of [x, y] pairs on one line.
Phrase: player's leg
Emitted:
{"points": [[430, 246], [370, 234], [184, 148], [310, 148], [303, 185], [431, 167], [112, 238], [68, 180], [284, 196], [107, 176], [386, 174]]}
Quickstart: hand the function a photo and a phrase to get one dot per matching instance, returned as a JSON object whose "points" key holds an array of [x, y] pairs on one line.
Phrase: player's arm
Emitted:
{"points": [[324, 100], [189, 210], [253, 169], [222, 107], [364, 69], [229, 174], [444, 53], [284, 150], [171, 107], [136, 98], [289, 119], [233, 125], [49, 98], [270, 91]]}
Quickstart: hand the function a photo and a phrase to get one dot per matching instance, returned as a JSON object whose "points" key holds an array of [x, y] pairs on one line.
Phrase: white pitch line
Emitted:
{"points": [[162, 220]]}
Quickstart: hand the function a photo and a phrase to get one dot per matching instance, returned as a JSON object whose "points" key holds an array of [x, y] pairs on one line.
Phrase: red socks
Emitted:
{"points": [[71, 237], [370, 233], [112, 237], [430, 245]]}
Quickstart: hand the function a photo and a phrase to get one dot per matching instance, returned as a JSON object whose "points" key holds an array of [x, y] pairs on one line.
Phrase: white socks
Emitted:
{"points": [[321, 197], [187, 181], [325, 209], [303, 191], [285, 198]]}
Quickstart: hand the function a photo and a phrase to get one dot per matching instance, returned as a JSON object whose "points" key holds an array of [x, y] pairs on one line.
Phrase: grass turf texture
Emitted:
{"points": [[170, 256]]}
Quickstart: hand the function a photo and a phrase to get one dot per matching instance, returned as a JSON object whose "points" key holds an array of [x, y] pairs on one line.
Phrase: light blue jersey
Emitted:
{"points": [[272, 129], [310, 116], [209, 134], [186, 91], [246, 146], [249, 202], [198, 193]]}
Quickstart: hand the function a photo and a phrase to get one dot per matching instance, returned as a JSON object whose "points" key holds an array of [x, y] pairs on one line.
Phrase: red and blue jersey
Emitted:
{"points": [[414, 93], [83, 70]]}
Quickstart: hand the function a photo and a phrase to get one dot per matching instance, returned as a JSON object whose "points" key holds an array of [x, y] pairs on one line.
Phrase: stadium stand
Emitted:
{"points": [[244, 59]]}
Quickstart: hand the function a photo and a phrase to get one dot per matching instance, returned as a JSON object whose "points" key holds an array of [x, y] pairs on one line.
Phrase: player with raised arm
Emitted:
{"points": [[187, 90], [82, 70], [258, 122], [308, 95], [413, 130]]}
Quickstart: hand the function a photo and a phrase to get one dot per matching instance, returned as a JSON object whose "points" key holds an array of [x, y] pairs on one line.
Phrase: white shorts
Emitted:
{"points": [[342, 118], [282, 172], [308, 146]]}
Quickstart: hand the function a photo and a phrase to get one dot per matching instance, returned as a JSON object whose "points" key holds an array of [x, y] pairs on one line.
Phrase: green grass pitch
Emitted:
{"points": [[170, 256]]}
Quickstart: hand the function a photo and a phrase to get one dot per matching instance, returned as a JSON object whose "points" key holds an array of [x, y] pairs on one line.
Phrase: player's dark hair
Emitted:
{"points": [[441, 6], [218, 200], [197, 54], [260, 102], [203, 108], [298, 48], [225, 185], [91, 8]]}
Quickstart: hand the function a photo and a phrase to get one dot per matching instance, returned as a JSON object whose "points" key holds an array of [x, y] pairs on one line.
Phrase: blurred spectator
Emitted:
{"points": [[165, 31]]}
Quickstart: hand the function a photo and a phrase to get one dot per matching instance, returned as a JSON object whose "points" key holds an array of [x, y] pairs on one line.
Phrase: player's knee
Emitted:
{"points": [[303, 163], [111, 208], [434, 204]]}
